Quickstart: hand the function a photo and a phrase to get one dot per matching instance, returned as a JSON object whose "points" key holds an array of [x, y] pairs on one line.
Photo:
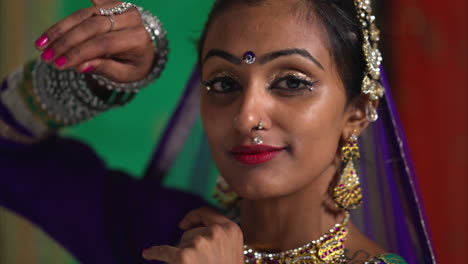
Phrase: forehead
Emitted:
{"points": [[274, 25]]}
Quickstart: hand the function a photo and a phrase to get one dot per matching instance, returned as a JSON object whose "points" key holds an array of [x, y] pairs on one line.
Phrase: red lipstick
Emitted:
{"points": [[255, 154]]}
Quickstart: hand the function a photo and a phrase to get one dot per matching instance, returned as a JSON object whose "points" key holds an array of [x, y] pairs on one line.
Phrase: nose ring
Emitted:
{"points": [[258, 140], [260, 125]]}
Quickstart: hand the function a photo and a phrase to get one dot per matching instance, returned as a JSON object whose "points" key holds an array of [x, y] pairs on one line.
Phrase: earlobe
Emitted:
{"points": [[357, 119]]}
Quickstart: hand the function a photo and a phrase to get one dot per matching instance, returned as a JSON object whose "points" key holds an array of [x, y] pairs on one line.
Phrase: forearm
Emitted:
{"points": [[37, 99]]}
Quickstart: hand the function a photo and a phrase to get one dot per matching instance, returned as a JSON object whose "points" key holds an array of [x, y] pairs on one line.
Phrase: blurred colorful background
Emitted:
{"points": [[425, 47]]}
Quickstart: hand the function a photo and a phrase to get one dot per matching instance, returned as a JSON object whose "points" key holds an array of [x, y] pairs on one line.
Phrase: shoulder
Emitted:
{"points": [[361, 249], [386, 258]]}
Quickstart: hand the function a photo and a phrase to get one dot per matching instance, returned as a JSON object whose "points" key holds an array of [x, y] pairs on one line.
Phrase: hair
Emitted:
{"points": [[341, 24]]}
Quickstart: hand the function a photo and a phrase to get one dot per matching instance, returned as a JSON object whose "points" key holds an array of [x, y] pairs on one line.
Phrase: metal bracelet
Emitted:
{"points": [[53, 91], [12, 99], [158, 36], [65, 96]]}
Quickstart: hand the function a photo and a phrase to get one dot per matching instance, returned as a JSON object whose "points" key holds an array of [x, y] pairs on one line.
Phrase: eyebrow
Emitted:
{"points": [[265, 58], [289, 52], [223, 55]]}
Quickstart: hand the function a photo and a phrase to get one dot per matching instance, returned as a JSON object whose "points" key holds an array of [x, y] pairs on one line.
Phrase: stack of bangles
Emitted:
{"points": [[38, 98]]}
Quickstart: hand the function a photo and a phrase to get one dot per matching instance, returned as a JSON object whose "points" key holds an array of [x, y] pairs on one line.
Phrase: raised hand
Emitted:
{"points": [[210, 238], [116, 47]]}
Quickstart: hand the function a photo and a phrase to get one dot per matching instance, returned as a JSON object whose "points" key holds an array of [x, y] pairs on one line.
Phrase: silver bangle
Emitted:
{"points": [[13, 100], [158, 36], [53, 91], [66, 96]]}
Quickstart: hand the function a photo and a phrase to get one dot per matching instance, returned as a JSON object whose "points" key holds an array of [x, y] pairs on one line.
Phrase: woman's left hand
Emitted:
{"points": [[210, 238]]}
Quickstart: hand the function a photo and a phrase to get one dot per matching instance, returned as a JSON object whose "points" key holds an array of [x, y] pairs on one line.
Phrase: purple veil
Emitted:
{"points": [[392, 212]]}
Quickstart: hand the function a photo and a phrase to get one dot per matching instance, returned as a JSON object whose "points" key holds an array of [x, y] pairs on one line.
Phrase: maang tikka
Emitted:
{"points": [[371, 84], [348, 194]]}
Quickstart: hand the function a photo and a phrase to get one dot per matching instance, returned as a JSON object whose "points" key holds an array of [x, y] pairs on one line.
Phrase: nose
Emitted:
{"points": [[253, 111]]}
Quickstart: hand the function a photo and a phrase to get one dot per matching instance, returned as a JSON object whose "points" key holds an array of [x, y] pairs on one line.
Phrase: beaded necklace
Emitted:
{"points": [[328, 249]]}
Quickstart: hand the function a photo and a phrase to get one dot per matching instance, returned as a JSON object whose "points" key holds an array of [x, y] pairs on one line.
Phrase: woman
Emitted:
{"points": [[283, 102]]}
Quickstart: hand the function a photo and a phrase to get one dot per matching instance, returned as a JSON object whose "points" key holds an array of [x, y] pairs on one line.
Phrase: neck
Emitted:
{"points": [[284, 223]]}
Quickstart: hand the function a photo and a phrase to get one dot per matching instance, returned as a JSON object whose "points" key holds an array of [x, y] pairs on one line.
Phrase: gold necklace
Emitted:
{"points": [[328, 249]]}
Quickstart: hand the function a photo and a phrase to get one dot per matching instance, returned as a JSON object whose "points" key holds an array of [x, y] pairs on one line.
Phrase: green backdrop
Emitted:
{"points": [[125, 138]]}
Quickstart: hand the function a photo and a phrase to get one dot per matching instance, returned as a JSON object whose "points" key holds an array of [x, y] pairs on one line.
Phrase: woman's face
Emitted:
{"points": [[292, 87]]}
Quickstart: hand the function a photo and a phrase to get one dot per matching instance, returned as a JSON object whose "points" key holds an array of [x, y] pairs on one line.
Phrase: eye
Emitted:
{"points": [[292, 84], [223, 85]]}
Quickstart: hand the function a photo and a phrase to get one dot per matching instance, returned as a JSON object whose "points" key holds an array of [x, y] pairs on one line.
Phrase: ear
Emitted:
{"points": [[355, 117]]}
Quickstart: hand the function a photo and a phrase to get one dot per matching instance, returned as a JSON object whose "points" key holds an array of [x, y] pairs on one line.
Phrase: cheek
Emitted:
{"points": [[315, 131], [209, 120], [215, 125]]}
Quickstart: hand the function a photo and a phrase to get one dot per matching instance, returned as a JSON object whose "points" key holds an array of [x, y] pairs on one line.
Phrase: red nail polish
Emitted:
{"points": [[42, 41], [88, 69], [60, 61], [48, 54]]}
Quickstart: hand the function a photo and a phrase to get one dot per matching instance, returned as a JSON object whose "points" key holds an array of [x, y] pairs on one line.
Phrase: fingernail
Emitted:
{"points": [[60, 61], [48, 54], [88, 69], [145, 251], [42, 41]]}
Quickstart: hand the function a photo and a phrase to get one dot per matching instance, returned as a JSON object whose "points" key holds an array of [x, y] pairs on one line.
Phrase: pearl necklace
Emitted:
{"points": [[328, 249]]}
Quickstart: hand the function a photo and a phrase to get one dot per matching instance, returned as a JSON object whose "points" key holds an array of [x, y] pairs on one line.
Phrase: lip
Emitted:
{"points": [[255, 154]]}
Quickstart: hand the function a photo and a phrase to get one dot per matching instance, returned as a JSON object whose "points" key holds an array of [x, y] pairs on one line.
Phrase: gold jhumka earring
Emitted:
{"points": [[348, 194], [224, 195]]}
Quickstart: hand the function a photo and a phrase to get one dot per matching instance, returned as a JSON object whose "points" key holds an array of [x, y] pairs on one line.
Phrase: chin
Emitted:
{"points": [[259, 185]]}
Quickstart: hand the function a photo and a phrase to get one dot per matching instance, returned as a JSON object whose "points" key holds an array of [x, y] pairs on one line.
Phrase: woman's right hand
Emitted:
{"points": [[85, 42], [209, 238]]}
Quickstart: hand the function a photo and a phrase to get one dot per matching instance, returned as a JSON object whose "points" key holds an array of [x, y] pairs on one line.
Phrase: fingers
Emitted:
{"points": [[60, 28], [92, 27], [216, 238], [108, 68], [104, 46], [84, 41], [203, 217], [84, 31], [189, 237], [162, 253]]}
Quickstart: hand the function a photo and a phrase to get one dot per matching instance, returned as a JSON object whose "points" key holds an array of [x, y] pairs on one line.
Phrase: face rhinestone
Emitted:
{"points": [[208, 88], [249, 57]]}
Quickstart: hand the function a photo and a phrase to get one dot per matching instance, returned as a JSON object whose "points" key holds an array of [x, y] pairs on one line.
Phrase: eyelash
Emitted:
{"points": [[211, 83], [307, 84]]}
